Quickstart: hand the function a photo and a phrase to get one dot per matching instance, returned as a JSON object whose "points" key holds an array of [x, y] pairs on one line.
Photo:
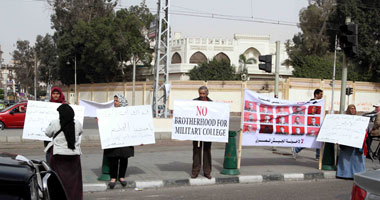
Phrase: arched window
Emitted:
{"points": [[198, 58], [176, 58], [252, 55], [222, 56]]}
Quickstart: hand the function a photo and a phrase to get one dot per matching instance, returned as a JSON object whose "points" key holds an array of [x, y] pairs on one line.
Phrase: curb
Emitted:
{"points": [[139, 185]]}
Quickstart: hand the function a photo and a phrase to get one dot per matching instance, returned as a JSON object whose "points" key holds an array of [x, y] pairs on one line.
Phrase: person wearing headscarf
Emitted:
{"points": [[118, 157], [56, 96], [65, 151], [351, 159]]}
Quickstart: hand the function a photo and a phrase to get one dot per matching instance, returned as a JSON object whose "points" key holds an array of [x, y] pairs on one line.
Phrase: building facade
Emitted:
{"points": [[188, 52]]}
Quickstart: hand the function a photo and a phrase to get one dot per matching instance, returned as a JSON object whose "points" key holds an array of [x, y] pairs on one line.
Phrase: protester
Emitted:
{"points": [[118, 157], [374, 129], [65, 151], [318, 94], [351, 159], [56, 96], [197, 151]]}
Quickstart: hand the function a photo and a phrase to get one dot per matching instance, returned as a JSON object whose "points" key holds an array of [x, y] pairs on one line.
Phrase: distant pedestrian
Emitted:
{"points": [[197, 151], [65, 151], [351, 160], [118, 157]]}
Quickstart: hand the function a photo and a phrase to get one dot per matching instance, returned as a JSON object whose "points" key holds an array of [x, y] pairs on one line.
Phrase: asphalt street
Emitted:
{"points": [[301, 190]]}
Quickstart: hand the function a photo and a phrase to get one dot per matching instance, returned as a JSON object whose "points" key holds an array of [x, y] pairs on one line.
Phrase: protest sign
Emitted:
{"points": [[275, 122], [347, 130], [200, 121], [39, 115], [91, 107], [125, 126]]}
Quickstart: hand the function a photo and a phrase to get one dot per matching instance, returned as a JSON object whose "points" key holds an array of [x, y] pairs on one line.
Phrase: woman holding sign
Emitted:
{"points": [[351, 159], [118, 157], [56, 96], [65, 151]]}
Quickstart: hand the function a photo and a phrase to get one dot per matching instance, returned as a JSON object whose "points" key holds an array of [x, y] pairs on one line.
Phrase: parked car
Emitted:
{"points": [[366, 186], [13, 116], [21, 178]]}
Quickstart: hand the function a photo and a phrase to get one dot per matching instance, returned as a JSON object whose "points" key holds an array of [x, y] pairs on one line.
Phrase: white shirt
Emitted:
{"points": [[59, 143]]}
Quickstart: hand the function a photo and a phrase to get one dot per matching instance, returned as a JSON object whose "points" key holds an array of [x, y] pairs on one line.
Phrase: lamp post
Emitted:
{"points": [[75, 77]]}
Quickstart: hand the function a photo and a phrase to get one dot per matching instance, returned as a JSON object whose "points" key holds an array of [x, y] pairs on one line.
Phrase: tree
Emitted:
{"points": [[74, 22], [47, 55], [366, 14], [131, 43], [313, 22], [102, 44], [213, 70], [24, 64]]}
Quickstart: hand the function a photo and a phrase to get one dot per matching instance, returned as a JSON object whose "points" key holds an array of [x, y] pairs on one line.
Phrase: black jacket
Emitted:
{"points": [[199, 99]]}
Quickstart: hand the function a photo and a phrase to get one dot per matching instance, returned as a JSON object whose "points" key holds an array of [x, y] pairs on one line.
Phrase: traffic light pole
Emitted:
{"points": [[277, 69], [343, 86], [344, 79]]}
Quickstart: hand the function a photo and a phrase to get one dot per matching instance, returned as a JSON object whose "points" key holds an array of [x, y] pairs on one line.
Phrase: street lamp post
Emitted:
{"points": [[75, 78]]}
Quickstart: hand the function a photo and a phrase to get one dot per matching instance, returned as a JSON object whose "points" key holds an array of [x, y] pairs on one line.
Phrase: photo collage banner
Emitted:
{"points": [[274, 122]]}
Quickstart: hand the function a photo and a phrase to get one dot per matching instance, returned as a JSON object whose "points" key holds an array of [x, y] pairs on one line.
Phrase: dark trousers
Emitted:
{"points": [[197, 156], [118, 164]]}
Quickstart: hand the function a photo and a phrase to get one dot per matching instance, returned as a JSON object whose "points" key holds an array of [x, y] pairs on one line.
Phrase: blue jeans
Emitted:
{"points": [[317, 151]]}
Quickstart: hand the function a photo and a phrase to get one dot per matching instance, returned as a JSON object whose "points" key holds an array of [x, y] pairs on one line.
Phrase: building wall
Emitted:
{"points": [[364, 95]]}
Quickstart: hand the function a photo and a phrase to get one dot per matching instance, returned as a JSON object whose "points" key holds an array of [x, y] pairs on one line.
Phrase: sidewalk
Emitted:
{"points": [[169, 165]]}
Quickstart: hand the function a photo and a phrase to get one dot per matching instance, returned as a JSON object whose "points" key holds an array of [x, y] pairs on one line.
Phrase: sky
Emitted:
{"points": [[25, 19]]}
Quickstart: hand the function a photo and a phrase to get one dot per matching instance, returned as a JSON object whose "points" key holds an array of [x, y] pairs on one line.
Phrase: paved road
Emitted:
{"points": [[311, 190]]}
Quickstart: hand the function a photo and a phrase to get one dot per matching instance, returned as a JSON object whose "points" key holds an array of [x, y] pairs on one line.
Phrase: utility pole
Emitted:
{"points": [[134, 80], [277, 69], [161, 72], [35, 76], [75, 79], [344, 80], [333, 78]]}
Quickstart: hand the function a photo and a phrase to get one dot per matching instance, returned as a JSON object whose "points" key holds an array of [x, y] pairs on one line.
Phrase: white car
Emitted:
{"points": [[366, 186]]}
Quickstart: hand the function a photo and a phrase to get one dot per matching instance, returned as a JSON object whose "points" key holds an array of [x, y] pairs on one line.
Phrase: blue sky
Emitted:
{"points": [[25, 19]]}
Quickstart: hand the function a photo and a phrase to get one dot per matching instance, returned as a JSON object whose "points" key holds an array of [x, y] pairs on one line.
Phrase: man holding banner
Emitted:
{"points": [[197, 149], [318, 94]]}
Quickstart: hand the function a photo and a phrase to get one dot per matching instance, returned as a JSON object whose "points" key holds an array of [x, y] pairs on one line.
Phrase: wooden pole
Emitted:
{"points": [[322, 149]]}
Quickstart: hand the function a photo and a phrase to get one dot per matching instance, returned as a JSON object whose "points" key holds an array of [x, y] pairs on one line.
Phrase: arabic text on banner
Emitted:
{"points": [[275, 122], [200, 121], [39, 115], [348, 130], [126, 126]]}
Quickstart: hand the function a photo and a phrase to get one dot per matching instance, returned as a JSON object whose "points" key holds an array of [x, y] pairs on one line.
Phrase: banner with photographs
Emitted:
{"points": [[275, 122]]}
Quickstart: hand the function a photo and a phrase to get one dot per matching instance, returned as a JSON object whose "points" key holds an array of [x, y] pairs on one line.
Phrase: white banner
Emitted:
{"points": [[347, 130], [126, 126], [200, 121], [275, 122], [91, 107], [39, 115]]}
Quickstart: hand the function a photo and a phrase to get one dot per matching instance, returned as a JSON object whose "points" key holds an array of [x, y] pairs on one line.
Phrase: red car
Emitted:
{"points": [[13, 116]]}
